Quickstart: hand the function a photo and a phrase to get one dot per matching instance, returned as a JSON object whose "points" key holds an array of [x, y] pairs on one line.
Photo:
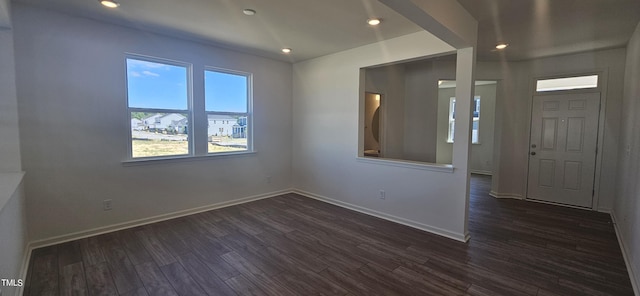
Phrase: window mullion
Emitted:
{"points": [[198, 111]]}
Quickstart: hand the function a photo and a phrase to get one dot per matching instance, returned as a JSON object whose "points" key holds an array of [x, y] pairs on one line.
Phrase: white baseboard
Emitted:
{"points": [[24, 269], [480, 172], [506, 195], [604, 210], [435, 230], [130, 224], [635, 282], [520, 197], [120, 226]]}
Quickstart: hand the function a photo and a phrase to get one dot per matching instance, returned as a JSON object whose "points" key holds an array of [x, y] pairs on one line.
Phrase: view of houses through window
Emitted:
{"points": [[160, 109], [227, 107], [159, 134], [158, 100]]}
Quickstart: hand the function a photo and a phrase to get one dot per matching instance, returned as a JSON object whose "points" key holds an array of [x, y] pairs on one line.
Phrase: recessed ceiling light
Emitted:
{"points": [[286, 50], [110, 3], [249, 11], [501, 45], [374, 21]]}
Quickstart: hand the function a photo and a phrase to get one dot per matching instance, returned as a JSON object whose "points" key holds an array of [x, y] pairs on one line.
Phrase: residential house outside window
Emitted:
{"points": [[227, 105], [159, 107], [162, 117]]}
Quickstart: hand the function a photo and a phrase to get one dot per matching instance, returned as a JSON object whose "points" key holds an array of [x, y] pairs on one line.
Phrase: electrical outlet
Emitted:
{"points": [[106, 205], [628, 149], [383, 195]]}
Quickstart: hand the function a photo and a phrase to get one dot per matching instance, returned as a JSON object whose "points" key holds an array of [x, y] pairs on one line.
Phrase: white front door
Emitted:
{"points": [[562, 148]]}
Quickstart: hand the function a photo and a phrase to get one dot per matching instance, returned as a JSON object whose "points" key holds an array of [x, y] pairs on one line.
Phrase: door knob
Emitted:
{"points": [[533, 153]]}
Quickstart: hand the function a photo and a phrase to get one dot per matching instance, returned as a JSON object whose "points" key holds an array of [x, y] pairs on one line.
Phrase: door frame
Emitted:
{"points": [[602, 88], [382, 131]]}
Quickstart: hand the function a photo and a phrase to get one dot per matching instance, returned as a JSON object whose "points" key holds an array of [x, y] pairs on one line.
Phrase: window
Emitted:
{"points": [[159, 109], [568, 83], [475, 128], [161, 113], [452, 119], [227, 102]]}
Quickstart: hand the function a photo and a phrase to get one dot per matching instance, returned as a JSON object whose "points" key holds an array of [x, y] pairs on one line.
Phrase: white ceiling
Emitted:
{"points": [[539, 28], [310, 28], [533, 28]]}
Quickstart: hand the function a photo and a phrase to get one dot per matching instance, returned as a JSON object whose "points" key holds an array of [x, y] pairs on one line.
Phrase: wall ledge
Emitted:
{"points": [[9, 183], [425, 166]]}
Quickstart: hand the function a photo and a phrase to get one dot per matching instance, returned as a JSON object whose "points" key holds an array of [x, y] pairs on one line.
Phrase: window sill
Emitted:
{"points": [[172, 159], [445, 168], [475, 143]]}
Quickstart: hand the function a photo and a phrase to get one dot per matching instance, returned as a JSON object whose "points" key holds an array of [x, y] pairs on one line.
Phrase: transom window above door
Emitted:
{"points": [[567, 83]]}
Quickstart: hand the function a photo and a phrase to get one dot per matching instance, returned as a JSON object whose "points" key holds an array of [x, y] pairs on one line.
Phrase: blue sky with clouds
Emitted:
{"points": [[155, 85], [162, 86]]}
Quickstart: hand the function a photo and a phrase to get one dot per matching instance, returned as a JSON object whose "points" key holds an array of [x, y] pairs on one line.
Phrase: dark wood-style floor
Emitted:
{"points": [[292, 245]]}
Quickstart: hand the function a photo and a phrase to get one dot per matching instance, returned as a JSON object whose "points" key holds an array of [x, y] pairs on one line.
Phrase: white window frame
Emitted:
{"points": [[188, 112], [193, 115], [555, 84], [248, 114], [452, 121]]}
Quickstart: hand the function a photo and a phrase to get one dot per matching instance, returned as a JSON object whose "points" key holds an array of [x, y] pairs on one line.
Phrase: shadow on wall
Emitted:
{"points": [[414, 103]]}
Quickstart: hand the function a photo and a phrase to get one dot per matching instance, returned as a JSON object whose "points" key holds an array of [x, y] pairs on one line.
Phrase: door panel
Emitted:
{"points": [[572, 173], [575, 134], [564, 135], [550, 131], [547, 172]]}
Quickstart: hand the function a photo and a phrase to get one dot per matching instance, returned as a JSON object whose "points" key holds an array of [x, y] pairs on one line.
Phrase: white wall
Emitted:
{"points": [[627, 202], [326, 108], [13, 223], [74, 126], [414, 86], [421, 111], [481, 160], [9, 131], [13, 230], [389, 81], [513, 113], [425, 118]]}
